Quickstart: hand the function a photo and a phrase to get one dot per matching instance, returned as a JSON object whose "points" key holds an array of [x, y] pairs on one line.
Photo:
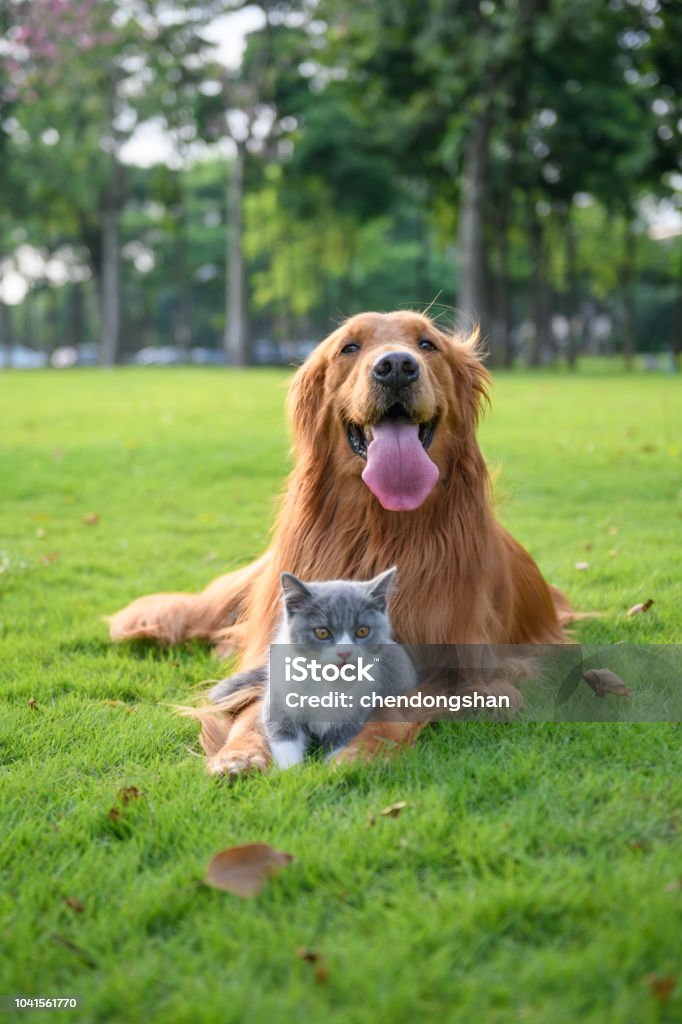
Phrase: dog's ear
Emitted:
{"points": [[472, 378], [305, 403]]}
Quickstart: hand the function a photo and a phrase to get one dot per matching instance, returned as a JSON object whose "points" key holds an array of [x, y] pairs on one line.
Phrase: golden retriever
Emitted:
{"points": [[387, 472]]}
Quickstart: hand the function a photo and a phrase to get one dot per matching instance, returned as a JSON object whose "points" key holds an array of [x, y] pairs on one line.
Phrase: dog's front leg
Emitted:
{"points": [[379, 739], [246, 747]]}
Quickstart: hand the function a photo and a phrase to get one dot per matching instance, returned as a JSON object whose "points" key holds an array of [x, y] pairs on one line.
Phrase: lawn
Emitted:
{"points": [[535, 874]]}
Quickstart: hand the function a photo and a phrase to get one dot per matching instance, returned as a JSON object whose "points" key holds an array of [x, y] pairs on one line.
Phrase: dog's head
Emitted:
{"points": [[386, 400]]}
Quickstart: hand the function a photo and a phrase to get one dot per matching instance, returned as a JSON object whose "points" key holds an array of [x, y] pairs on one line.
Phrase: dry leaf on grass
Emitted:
{"points": [[309, 955], [33, 703], [74, 904], [91, 519], [661, 988], [638, 608], [603, 681], [321, 972], [127, 794], [393, 810], [244, 870]]}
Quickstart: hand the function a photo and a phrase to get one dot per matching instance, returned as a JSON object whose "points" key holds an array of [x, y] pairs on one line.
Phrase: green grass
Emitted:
{"points": [[532, 876]]}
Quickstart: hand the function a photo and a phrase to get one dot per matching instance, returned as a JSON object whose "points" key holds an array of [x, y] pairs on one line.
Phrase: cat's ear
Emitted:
{"points": [[381, 586], [294, 590]]}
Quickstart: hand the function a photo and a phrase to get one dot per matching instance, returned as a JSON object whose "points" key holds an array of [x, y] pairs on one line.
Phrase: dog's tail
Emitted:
{"points": [[564, 612], [228, 698]]}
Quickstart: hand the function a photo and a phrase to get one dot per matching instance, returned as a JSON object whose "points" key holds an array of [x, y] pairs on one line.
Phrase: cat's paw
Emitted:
{"points": [[237, 762]]}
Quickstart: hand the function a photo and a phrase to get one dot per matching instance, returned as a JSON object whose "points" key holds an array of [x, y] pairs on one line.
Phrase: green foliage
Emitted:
{"points": [[359, 122]]}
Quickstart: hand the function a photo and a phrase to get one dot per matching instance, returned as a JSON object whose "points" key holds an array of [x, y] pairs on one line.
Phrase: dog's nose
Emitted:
{"points": [[396, 369]]}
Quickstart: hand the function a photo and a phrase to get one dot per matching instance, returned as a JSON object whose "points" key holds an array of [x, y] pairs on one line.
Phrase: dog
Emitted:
{"points": [[387, 471]]}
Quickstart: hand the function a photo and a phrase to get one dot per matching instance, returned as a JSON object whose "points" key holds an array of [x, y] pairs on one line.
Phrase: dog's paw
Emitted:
{"points": [[237, 762]]}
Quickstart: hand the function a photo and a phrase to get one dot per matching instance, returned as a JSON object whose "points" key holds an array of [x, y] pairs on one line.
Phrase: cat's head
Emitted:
{"points": [[338, 619]]}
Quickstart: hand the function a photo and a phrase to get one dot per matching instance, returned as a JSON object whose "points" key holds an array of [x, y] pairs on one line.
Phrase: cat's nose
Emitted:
{"points": [[344, 655]]}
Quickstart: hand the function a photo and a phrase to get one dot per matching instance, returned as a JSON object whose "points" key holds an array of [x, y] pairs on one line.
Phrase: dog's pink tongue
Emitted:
{"points": [[399, 472]]}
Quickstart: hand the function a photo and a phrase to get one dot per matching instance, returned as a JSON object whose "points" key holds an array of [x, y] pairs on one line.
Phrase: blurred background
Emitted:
{"points": [[222, 183]]}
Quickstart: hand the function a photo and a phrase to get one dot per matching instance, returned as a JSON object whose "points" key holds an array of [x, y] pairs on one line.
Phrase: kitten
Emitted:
{"points": [[336, 623]]}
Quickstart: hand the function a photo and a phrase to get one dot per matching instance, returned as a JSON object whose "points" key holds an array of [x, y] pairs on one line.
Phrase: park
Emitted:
{"points": [[194, 196]]}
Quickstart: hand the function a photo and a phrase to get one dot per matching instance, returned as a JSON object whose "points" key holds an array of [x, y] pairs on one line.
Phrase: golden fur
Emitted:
{"points": [[463, 578]]}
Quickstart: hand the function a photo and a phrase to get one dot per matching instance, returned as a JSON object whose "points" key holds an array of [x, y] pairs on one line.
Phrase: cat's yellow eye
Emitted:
{"points": [[362, 632], [321, 633]]}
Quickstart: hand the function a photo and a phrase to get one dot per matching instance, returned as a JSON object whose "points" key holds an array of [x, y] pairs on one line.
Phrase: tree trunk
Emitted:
{"points": [[76, 315], [501, 347], [572, 290], [542, 335], [6, 338], [629, 306], [182, 320], [29, 331], [472, 294], [109, 284], [235, 338], [676, 331]]}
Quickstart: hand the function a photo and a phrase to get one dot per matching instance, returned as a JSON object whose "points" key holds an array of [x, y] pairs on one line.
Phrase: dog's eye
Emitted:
{"points": [[362, 632], [351, 347], [321, 633], [427, 345]]}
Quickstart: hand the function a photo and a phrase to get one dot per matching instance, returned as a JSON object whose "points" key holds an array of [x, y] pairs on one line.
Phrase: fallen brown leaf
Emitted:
{"points": [[114, 814], [244, 870], [127, 794], [393, 810], [91, 519], [603, 681], [643, 607], [321, 974], [33, 703], [661, 988], [74, 904], [309, 955]]}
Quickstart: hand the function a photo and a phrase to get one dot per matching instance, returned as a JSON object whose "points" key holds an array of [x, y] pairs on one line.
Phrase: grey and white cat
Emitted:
{"points": [[335, 624]]}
